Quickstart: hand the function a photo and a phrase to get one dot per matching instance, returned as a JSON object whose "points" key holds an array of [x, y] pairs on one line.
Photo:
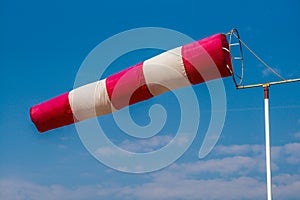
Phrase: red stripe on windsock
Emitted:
{"points": [[127, 87], [206, 60], [53, 113]]}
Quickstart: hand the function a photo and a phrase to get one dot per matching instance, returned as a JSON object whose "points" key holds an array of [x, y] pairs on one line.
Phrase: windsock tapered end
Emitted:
{"points": [[52, 114]]}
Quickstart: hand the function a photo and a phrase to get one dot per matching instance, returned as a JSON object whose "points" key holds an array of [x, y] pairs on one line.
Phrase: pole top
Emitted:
{"points": [[266, 91]]}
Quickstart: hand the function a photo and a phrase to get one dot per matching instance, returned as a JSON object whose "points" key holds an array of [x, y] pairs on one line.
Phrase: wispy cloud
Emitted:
{"points": [[297, 135], [286, 179], [146, 145], [267, 72], [105, 151], [238, 149], [228, 166], [62, 146], [22, 190]]}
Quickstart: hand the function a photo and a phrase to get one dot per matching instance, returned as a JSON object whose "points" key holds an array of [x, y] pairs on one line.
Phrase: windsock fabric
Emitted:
{"points": [[194, 63]]}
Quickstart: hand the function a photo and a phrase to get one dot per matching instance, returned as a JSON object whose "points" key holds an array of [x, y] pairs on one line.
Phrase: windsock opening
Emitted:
{"points": [[207, 59]]}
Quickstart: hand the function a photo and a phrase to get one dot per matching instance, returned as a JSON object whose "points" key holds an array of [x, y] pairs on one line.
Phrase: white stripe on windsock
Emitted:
{"points": [[90, 100], [165, 72]]}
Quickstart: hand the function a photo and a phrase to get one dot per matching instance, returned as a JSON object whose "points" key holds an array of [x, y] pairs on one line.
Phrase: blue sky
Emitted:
{"points": [[43, 44]]}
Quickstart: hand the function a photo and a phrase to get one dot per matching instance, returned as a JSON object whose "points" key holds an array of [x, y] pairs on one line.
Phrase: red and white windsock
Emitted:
{"points": [[194, 63]]}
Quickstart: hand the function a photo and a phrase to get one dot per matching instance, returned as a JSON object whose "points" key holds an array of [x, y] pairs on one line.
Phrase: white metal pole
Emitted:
{"points": [[268, 149]]}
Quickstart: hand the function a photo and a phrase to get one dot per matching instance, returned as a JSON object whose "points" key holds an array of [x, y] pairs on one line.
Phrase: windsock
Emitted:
{"points": [[194, 63]]}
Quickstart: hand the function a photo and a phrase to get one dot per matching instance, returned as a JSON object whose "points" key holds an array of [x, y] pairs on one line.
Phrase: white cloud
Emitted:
{"points": [[105, 151], [292, 151], [232, 176], [285, 179], [164, 185], [277, 152], [228, 166], [297, 135], [146, 145], [23, 190], [199, 189], [286, 153], [287, 191], [238, 149]]}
